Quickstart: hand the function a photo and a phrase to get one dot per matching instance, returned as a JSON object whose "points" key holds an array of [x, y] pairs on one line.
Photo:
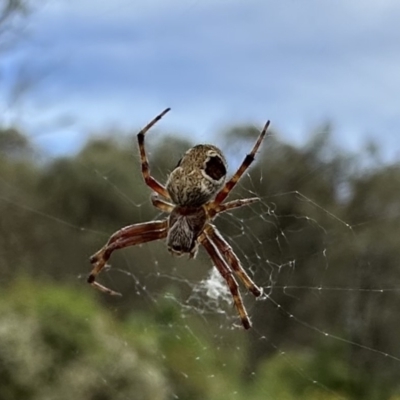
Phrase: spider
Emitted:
{"points": [[193, 196]]}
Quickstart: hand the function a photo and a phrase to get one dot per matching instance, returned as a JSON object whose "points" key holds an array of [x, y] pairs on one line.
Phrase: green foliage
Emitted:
{"points": [[323, 372], [13, 144], [337, 222], [57, 343]]}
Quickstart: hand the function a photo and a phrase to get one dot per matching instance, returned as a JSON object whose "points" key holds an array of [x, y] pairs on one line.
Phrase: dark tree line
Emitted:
{"points": [[326, 218]]}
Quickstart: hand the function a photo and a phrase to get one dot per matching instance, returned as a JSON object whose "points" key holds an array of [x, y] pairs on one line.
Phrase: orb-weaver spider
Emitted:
{"points": [[193, 196]]}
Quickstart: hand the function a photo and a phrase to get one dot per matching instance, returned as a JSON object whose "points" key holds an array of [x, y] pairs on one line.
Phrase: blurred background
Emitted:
{"points": [[78, 79]]}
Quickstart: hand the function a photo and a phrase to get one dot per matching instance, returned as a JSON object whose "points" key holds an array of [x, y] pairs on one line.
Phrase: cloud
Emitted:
{"points": [[216, 62]]}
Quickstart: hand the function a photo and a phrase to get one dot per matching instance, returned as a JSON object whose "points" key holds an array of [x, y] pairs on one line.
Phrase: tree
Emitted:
{"points": [[11, 14]]}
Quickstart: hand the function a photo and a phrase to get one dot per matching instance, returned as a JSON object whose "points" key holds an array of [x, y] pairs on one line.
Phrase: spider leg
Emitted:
{"points": [[230, 205], [226, 273], [150, 181], [233, 261], [229, 185], [129, 236], [161, 204]]}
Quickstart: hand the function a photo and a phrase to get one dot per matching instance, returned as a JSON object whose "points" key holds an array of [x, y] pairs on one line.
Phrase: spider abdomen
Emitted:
{"points": [[198, 177]]}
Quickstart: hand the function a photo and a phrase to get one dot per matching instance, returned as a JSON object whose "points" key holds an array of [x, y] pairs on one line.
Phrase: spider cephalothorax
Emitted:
{"points": [[193, 195], [184, 227]]}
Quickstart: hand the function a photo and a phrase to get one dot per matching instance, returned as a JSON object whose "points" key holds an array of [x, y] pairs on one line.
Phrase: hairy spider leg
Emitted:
{"points": [[150, 181], [226, 273], [128, 236], [229, 185], [161, 204], [233, 261], [230, 205]]}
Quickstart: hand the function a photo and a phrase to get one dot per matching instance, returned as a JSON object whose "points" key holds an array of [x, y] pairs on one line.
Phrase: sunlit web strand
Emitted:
{"points": [[332, 289], [314, 328], [296, 368], [316, 205], [51, 217], [117, 190]]}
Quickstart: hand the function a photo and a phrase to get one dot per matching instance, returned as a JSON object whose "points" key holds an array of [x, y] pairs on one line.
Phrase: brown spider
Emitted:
{"points": [[193, 196]]}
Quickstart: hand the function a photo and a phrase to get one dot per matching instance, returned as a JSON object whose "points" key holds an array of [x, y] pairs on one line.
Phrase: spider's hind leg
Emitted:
{"points": [[150, 181], [229, 185]]}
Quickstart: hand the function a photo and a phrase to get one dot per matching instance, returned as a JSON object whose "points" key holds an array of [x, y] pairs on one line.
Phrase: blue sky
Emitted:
{"points": [[102, 64]]}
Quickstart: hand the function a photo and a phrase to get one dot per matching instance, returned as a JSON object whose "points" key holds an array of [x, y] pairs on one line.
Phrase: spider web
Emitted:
{"points": [[328, 307], [314, 300], [290, 293]]}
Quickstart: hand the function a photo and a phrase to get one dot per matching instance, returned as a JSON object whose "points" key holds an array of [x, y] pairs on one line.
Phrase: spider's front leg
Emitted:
{"points": [[233, 261], [226, 273], [128, 236]]}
